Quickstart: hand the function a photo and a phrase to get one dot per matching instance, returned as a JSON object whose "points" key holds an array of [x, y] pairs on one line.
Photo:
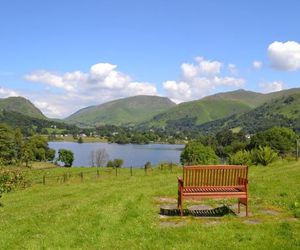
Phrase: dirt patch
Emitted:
{"points": [[290, 220], [270, 212], [211, 223]]}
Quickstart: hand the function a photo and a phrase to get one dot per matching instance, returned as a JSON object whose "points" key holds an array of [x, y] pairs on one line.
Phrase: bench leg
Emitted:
{"points": [[243, 201], [179, 204]]}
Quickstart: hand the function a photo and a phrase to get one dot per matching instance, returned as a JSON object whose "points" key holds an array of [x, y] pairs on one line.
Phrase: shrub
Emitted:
{"points": [[147, 165], [196, 153], [11, 179], [116, 163], [242, 157], [66, 156], [264, 155]]}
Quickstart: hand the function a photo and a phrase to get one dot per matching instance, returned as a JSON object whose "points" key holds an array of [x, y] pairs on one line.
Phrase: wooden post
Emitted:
{"points": [[65, 177], [44, 179], [131, 171], [297, 149], [116, 171], [81, 176], [97, 173], [171, 167]]}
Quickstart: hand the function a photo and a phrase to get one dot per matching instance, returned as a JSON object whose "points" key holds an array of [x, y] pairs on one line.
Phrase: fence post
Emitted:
{"points": [[81, 176], [65, 177], [116, 171], [97, 173], [131, 171], [44, 179]]}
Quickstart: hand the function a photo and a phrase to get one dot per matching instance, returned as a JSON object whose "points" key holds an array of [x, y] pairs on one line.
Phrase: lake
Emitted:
{"points": [[133, 155]]}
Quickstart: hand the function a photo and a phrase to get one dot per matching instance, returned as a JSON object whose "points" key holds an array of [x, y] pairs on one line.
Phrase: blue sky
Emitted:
{"points": [[65, 55]]}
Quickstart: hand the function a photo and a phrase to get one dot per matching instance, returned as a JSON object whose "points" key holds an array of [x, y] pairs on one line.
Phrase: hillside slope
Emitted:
{"points": [[21, 105], [209, 108], [281, 111], [213, 108], [131, 110]]}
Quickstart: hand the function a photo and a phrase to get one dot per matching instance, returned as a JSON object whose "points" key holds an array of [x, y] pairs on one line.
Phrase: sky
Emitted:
{"points": [[64, 55]]}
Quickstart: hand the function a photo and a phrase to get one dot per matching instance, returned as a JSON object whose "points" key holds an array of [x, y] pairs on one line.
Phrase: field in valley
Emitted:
{"points": [[79, 209]]}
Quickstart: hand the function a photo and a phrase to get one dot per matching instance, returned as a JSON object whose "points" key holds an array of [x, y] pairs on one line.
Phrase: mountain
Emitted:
{"points": [[213, 108], [283, 109], [29, 124], [131, 110], [208, 108], [21, 105]]}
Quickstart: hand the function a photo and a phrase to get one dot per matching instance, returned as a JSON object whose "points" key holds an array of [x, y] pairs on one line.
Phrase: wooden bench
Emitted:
{"points": [[220, 181]]}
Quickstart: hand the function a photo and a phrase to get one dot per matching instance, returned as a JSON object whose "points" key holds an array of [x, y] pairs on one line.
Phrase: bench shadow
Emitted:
{"points": [[214, 212]]}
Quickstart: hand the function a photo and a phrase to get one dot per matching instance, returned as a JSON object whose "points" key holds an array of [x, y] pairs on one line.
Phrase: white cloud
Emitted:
{"points": [[284, 56], [268, 87], [203, 67], [198, 80], [257, 64], [232, 69], [4, 93], [103, 82]]}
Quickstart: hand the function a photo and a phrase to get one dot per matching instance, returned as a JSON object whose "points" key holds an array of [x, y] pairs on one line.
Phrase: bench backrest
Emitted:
{"points": [[219, 175]]}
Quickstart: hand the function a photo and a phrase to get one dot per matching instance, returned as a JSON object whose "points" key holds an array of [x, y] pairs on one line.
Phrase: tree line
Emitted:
{"points": [[15, 149], [236, 148]]}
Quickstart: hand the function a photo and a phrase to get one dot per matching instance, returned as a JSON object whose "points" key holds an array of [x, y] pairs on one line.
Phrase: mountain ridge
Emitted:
{"points": [[21, 105], [130, 110]]}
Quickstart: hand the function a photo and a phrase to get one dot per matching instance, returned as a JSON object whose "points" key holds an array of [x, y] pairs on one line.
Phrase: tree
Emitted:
{"points": [[7, 144], [280, 139], [196, 153], [80, 140], [18, 144], [27, 154], [50, 154], [39, 147], [118, 163], [66, 156], [110, 164], [99, 157]]}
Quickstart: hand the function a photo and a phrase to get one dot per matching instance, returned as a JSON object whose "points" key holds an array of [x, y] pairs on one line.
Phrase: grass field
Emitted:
{"points": [[122, 212]]}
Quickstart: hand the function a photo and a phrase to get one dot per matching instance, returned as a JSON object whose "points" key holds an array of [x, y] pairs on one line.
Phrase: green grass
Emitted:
{"points": [[121, 212]]}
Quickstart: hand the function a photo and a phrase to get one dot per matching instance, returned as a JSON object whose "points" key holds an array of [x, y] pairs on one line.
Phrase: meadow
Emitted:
{"points": [[109, 211]]}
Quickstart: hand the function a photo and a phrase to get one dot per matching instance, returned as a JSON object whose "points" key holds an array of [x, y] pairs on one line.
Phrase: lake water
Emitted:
{"points": [[132, 154]]}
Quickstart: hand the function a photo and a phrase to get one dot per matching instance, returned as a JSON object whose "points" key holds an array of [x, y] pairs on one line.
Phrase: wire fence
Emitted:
{"points": [[61, 175]]}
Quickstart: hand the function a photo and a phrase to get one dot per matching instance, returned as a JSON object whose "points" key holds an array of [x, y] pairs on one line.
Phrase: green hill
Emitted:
{"points": [[282, 110], [209, 108], [131, 110], [212, 108], [29, 124], [21, 105]]}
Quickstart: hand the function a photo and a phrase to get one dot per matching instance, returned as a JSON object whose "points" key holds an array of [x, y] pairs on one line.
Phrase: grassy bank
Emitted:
{"points": [[85, 139], [122, 212]]}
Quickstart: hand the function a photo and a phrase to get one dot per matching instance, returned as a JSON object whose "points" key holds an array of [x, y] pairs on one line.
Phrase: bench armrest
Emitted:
{"points": [[180, 181]]}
